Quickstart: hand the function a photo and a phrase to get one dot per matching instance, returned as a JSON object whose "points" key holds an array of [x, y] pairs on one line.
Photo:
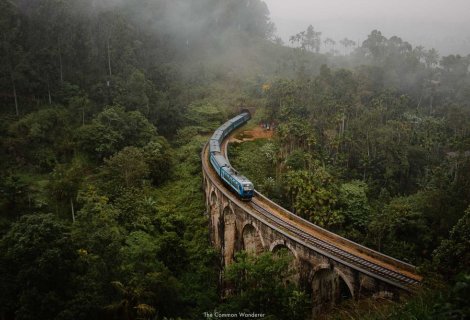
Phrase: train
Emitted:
{"points": [[232, 178]]}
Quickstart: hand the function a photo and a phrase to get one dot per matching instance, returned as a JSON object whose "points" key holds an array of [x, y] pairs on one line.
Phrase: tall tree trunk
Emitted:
{"points": [[430, 105], [14, 95], [49, 91], [343, 122], [364, 175], [60, 66], [420, 98], [73, 210], [109, 59]]}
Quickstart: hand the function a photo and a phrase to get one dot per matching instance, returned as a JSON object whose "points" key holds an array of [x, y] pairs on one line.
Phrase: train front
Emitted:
{"points": [[248, 190]]}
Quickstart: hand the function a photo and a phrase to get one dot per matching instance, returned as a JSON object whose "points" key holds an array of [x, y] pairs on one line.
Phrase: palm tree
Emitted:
{"points": [[419, 53], [128, 307], [331, 43], [346, 43], [431, 57]]}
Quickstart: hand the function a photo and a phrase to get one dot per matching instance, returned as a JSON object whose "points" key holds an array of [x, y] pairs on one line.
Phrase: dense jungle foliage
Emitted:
{"points": [[105, 106]]}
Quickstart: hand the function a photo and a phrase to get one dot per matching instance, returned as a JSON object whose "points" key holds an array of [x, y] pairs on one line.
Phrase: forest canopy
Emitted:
{"points": [[105, 106]]}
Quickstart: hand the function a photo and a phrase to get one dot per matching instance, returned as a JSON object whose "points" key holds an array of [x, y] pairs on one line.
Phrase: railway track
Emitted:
{"points": [[363, 259]]}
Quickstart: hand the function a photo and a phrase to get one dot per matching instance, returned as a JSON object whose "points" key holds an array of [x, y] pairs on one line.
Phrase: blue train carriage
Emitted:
{"points": [[218, 161], [218, 136], [214, 146], [240, 119], [225, 129], [240, 184]]}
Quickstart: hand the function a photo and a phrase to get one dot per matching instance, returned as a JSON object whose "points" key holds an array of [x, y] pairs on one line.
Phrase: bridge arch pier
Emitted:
{"points": [[214, 218], [230, 234], [252, 241], [294, 265], [329, 288]]}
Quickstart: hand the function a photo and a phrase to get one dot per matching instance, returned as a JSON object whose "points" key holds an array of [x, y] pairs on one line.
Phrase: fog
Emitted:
{"points": [[443, 25]]}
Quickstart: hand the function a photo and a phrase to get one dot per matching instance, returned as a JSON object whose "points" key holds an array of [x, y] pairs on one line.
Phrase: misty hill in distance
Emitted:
{"points": [[437, 24]]}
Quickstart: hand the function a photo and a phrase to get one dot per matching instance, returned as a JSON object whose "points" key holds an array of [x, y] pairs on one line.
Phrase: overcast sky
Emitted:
{"points": [[442, 24]]}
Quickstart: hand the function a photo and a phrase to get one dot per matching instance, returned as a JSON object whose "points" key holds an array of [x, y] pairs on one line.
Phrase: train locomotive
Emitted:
{"points": [[238, 183]]}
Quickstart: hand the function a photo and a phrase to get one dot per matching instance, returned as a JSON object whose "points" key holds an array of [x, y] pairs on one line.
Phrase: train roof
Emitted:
{"points": [[225, 126], [242, 179], [220, 159], [235, 119], [246, 115], [217, 134], [234, 173], [214, 145]]}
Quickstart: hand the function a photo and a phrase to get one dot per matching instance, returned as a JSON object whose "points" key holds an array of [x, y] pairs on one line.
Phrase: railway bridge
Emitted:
{"points": [[330, 267]]}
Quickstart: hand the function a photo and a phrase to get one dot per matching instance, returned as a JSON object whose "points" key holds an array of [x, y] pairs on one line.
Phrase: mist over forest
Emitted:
{"points": [[107, 104], [437, 24]]}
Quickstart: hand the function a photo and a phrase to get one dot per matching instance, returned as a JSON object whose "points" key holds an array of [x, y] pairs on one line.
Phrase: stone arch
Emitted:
{"points": [[347, 291], [213, 198], [294, 265], [229, 234], [279, 244], [323, 265], [329, 288], [252, 240]]}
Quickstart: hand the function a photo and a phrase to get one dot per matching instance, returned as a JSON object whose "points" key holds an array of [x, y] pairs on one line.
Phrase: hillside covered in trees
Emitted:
{"points": [[105, 106]]}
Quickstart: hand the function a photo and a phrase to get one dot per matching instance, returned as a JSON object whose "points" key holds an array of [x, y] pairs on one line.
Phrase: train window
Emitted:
{"points": [[248, 186]]}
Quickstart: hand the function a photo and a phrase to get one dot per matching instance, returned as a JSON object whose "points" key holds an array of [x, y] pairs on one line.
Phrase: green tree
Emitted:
{"points": [[312, 39], [64, 184], [135, 96], [331, 43], [129, 305], [346, 43], [151, 287], [453, 255], [15, 197], [355, 208], [431, 57], [37, 260], [42, 138], [125, 169], [258, 283], [14, 65], [114, 129], [314, 196], [97, 232], [80, 105], [375, 44], [159, 157], [401, 229]]}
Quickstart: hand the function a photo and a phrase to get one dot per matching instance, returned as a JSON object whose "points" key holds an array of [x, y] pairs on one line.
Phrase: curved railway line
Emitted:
{"points": [[337, 253], [344, 251]]}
